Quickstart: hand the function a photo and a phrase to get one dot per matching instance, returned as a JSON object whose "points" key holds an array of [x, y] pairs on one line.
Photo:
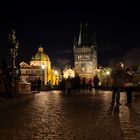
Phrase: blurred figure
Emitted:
{"points": [[62, 85], [90, 85], [49, 85], [68, 85], [129, 74], [117, 83], [38, 84], [83, 83], [96, 81]]}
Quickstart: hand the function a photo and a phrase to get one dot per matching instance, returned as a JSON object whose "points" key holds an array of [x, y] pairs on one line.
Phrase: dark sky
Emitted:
{"points": [[54, 25]]}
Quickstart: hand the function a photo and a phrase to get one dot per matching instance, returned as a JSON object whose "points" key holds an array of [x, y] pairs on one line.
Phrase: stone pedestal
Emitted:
{"points": [[24, 86]]}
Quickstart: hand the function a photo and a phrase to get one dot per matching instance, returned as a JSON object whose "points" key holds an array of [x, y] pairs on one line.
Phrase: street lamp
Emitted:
{"points": [[122, 65], [107, 73], [43, 68], [56, 77], [107, 76]]}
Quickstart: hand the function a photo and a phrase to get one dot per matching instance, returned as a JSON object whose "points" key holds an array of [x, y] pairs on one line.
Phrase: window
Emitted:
{"points": [[79, 56]]}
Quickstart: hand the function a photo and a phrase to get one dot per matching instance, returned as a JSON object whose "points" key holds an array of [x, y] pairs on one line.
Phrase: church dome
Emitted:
{"points": [[41, 56]]}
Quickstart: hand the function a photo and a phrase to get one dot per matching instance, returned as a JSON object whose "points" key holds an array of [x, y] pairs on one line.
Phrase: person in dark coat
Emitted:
{"points": [[90, 85], [117, 77], [128, 78], [96, 81], [83, 83], [62, 85], [38, 84], [68, 85]]}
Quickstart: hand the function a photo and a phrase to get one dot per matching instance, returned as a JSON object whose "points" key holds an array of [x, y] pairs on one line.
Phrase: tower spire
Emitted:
{"points": [[86, 34], [94, 39], [75, 41], [83, 35], [79, 41]]}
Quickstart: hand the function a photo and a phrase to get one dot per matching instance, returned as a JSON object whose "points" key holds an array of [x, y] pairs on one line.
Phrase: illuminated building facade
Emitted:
{"points": [[40, 66], [85, 54], [68, 73], [42, 59]]}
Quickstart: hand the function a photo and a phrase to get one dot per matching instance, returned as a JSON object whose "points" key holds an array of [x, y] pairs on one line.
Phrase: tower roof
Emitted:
{"points": [[85, 38], [83, 35]]}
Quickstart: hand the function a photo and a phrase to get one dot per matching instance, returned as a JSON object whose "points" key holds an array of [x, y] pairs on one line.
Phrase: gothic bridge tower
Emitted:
{"points": [[85, 53]]}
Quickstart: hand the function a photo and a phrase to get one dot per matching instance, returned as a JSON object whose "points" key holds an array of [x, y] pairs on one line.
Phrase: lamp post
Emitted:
{"points": [[43, 68]]}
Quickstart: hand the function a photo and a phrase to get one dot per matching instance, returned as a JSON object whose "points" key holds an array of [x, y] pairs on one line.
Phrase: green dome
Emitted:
{"points": [[41, 56]]}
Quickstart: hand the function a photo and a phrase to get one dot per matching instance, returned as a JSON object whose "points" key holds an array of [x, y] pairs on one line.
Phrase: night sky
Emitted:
{"points": [[55, 24]]}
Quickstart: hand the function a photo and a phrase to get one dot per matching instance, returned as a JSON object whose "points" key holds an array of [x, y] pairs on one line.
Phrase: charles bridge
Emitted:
{"points": [[52, 115]]}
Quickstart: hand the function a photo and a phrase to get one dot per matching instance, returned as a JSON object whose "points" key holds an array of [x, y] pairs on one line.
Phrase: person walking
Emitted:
{"points": [[38, 84], [90, 85], [129, 73], [68, 85], [96, 81], [83, 83], [117, 77]]}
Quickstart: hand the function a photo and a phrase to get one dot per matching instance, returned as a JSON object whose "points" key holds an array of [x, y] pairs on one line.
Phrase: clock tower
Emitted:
{"points": [[85, 53]]}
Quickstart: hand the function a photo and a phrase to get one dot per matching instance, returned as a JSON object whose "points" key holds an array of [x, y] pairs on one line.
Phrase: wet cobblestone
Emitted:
{"points": [[53, 116]]}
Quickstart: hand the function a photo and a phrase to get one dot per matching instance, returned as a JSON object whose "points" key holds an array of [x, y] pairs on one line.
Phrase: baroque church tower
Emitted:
{"points": [[85, 53]]}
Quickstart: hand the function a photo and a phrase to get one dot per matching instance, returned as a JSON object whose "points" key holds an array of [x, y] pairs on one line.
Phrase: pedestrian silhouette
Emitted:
{"points": [[117, 77], [96, 82], [128, 78], [38, 84]]}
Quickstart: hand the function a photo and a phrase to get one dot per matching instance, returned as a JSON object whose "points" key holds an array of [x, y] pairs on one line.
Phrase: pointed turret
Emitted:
{"points": [[79, 41], [83, 35], [75, 41], [94, 39]]}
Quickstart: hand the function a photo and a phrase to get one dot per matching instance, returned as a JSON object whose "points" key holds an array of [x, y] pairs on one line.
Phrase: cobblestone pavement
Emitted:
{"points": [[53, 116]]}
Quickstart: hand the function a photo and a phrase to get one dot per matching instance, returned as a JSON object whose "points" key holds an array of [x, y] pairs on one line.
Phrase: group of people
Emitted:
{"points": [[38, 85], [77, 84], [122, 79]]}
